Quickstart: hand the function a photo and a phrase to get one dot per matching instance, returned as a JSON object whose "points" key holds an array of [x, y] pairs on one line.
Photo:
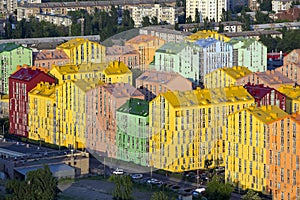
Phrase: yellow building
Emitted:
{"points": [[41, 117], [225, 77], [293, 97], [117, 72], [207, 34], [71, 111], [188, 128], [4, 106], [246, 147], [82, 50]]}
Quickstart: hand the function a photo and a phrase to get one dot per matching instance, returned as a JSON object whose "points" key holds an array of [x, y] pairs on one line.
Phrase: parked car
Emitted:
{"points": [[198, 192], [154, 181], [136, 176], [118, 171]]}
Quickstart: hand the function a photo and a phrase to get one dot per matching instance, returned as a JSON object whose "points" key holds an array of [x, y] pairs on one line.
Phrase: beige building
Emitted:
{"points": [[47, 58], [152, 83], [163, 14], [59, 20], [126, 54], [4, 106], [279, 5], [269, 78]]}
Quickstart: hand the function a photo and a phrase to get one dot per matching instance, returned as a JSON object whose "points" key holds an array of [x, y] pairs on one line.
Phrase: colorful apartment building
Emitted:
{"points": [[193, 60], [81, 50], [225, 77], [265, 96], [207, 34], [283, 158], [72, 106], [42, 113], [11, 56], [291, 66], [102, 104], [247, 146], [126, 54], [268, 78], [47, 58], [20, 83], [146, 45], [188, 128], [249, 53], [292, 94], [152, 83], [4, 106], [117, 72], [132, 138]]}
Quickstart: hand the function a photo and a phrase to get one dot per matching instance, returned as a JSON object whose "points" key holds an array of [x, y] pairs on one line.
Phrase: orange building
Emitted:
{"points": [[283, 158], [126, 54], [47, 58], [146, 45]]}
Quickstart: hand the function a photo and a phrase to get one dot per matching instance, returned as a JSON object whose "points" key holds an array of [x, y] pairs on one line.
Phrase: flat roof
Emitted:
{"points": [[54, 168]]}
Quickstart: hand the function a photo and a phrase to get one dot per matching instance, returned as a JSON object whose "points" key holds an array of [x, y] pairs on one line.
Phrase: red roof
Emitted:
{"points": [[258, 91], [26, 74]]}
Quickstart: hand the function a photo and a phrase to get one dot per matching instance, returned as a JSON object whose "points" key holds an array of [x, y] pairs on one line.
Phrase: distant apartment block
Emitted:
{"points": [[268, 78], [47, 58], [146, 45], [254, 5], [266, 96], [20, 83], [188, 128], [193, 60], [225, 77], [12, 55], [249, 53], [162, 13], [292, 57], [126, 54], [205, 34], [207, 9], [166, 34], [280, 5], [4, 106], [42, 113], [132, 137], [152, 83], [291, 14], [292, 97], [59, 20], [82, 50], [102, 104], [254, 34]]}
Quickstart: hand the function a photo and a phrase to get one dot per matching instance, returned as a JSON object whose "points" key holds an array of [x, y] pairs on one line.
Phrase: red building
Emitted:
{"points": [[20, 83], [265, 96]]}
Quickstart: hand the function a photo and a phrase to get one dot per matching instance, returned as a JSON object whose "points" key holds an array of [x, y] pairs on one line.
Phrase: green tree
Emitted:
{"points": [[159, 196], [39, 184], [154, 20], [266, 5], [245, 19], [197, 16], [251, 195], [262, 18], [189, 20], [146, 21], [217, 190], [123, 187]]}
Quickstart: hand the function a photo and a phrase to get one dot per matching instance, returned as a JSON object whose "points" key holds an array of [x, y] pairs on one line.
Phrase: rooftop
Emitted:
{"points": [[252, 33], [135, 107], [73, 69], [120, 50], [87, 84], [236, 71], [8, 46], [44, 89], [172, 47], [246, 41], [258, 91], [202, 97], [205, 34], [267, 114], [116, 67], [26, 74], [274, 77], [142, 39], [206, 42], [165, 29], [73, 43], [290, 91], [51, 55], [120, 90], [158, 76]]}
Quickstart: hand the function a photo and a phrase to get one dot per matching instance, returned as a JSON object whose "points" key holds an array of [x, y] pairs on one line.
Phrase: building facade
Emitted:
{"points": [[132, 138], [11, 56], [117, 72], [249, 53], [225, 77], [292, 97], [281, 5], [20, 83], [152, 83], [126, 54], [4, 106], [59, 20], [47, 58]]}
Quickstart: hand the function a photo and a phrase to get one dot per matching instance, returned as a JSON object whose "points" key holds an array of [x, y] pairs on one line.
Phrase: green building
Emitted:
{"points": [[132, 137], [250, 53], [12, 55]]}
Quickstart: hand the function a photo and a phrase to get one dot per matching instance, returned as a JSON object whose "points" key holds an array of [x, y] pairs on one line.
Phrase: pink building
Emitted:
{"points": [[102, 104], [152, 83], [47, 58], [268, 78], [126, 54], [291, 66]]}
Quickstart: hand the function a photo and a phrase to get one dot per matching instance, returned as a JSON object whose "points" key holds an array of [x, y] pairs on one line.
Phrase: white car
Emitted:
{"points": [[118, 171], [137, 176]]}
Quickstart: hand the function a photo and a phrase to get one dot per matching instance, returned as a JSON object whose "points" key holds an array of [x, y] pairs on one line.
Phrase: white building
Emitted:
{"points": [[278, 5], [59, 20], [212, 9], [163, 14]]}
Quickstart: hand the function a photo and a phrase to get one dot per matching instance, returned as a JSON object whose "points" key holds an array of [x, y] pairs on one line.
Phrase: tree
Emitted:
{"points": [[154, 20], [197, 16], [123, 187], [251, 195], [217, 190], [189, 20], [146, 21], [39, 184], [262, 18], [266, 5], [159, 196]]}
